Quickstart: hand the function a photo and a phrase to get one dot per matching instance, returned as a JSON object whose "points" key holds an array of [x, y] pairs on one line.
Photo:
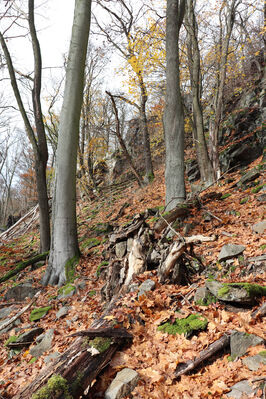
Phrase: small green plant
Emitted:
{"points": [[10, 340], [256, 189], [92, 293], [225, 196], [32, 360], [38, 313], [263, 247], [101, 265], [244, 200]]}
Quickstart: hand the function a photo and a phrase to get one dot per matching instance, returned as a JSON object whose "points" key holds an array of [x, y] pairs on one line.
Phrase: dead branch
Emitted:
{"points": [[6, 324], [221, 343]]}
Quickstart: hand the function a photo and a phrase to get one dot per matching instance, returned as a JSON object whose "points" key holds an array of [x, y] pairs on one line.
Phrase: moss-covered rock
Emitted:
{"points": [[55, 387], [186, 326], [38, 313], [66, 291], [244, 293]]}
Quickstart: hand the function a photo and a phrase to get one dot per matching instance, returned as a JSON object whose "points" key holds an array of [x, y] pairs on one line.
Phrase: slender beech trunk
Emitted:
{"points": [[205, 166], [65, 250], [173, 114], [224, 41], [39, 144], [149, 174]]}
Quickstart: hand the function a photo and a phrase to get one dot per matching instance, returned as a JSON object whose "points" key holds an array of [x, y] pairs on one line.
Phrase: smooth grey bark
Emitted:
{"points": [[173, 114], [205, 166], [39, 144], [65, 250], [224, 41]]}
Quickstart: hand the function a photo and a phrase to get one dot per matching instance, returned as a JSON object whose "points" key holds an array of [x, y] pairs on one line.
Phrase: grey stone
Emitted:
{"points": [[201, 294], [254, 362], [29, 336], [242, 387], [44, 345], [250, 176], [6, 312], [229, 251], [121, 249], [124, 383], [259, 227], [51, 357], [20, 292], [62, 312], [155, 256], [232, 293], [261, 198], [147, 285], [240, 342], [67, 291]]}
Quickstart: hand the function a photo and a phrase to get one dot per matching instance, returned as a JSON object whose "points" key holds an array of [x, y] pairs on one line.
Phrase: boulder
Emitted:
{"points": [[240, 342], [63, 311], [44, 345], [259, 227], [20, 292], [124, 383], [5, 312], [145, 287], [242, 293], [239, 389], [255, 362], [229, 251]]}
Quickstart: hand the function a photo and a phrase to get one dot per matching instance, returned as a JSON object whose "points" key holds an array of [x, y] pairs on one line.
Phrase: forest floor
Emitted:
{"points": [[153, 354]]}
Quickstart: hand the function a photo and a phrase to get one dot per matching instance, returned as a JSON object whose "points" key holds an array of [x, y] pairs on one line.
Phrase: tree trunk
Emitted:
{"points": [[173, 114], [149, 175], [218, 104], [39, 144], [65, 251], [205, 166]]}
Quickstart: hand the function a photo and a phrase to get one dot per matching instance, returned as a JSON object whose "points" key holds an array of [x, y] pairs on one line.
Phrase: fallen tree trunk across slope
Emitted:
{"points": [[80, 364]]}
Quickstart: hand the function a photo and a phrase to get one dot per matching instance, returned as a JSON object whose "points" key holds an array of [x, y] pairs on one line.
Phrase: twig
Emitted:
{"points": [[212, 215], [6, 324]]}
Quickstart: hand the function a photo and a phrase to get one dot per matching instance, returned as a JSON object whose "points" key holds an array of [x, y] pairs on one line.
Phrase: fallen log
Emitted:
{"points": [[260, 312], [22, 265], [80, 364], [181, 210], [221, 343]]}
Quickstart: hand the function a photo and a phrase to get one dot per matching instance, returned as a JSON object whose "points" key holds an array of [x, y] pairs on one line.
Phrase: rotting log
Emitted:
{"points": [[181, 210], [80, 364], [23, 265], [221, 344]]}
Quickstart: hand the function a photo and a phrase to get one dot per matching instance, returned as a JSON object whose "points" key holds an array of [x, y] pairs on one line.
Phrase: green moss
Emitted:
{"points": [[253, 290], [101, 344], [223, 291], [98, 270], [92, 293], [10, 340], [165, 214], [66, 289], [55, 387], [90, 243], [208, 300], [262, 354], [38, 313], [263, 247], [193, 322], [243, 200], [257, 189], [70, 267], [32, 360], [225, 196]]}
